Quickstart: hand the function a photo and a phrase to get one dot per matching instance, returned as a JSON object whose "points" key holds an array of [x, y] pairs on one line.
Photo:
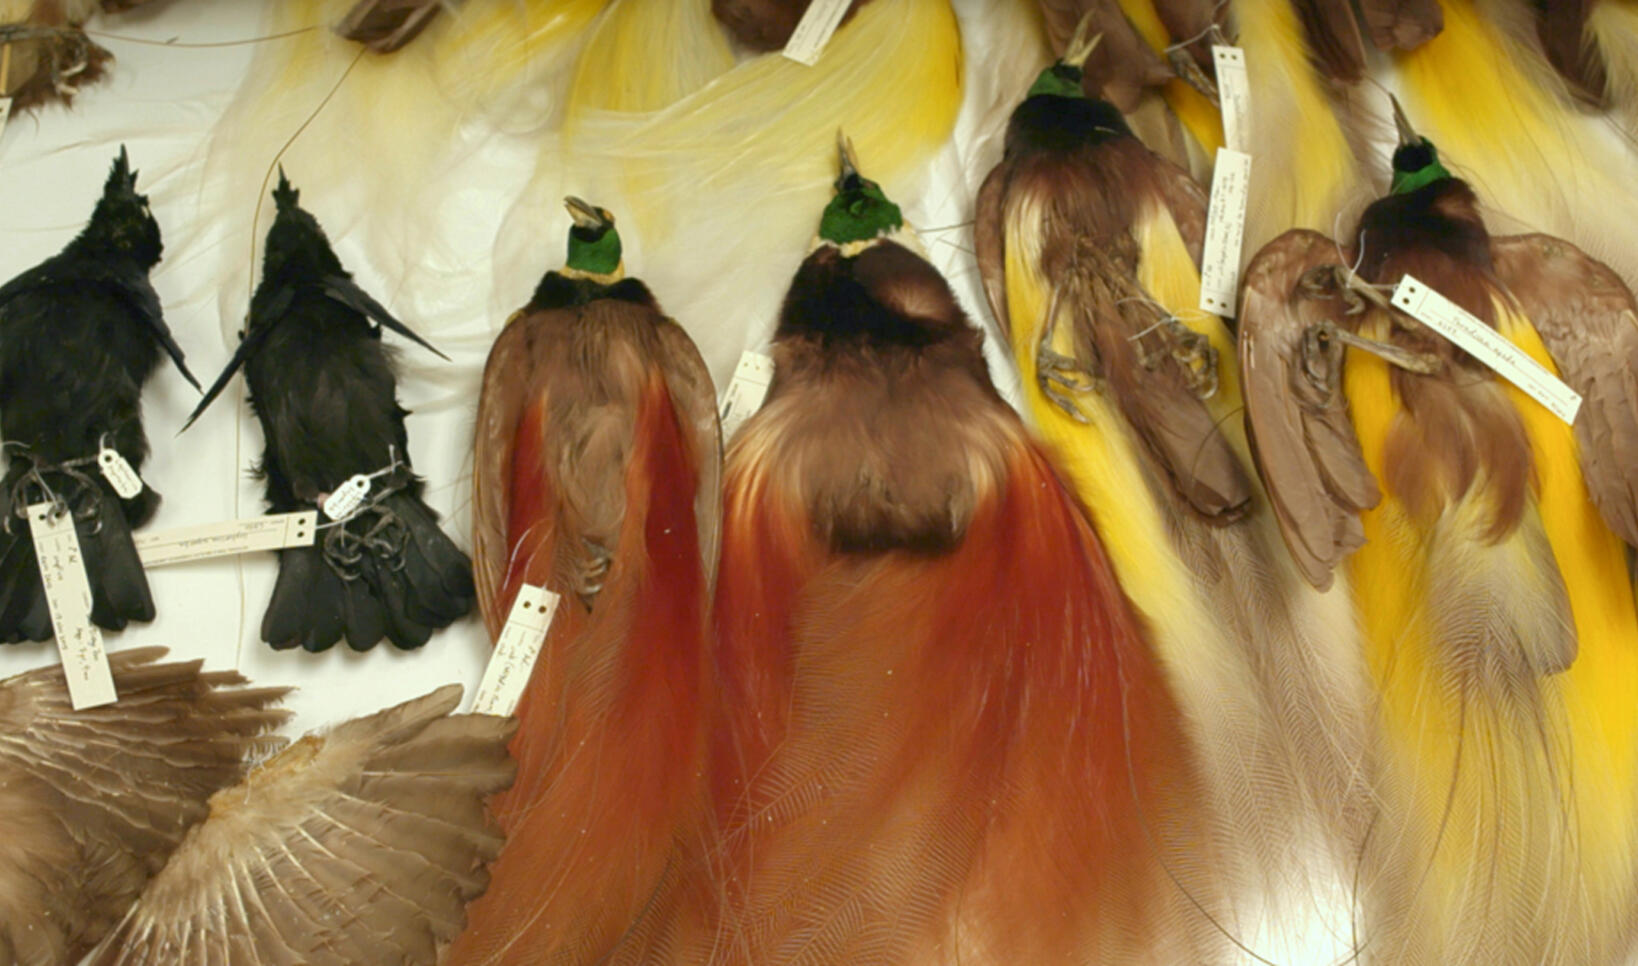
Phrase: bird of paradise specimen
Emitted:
{"points": [[94, 801], [1483, 540], [361, 844], [596, 475], [944, 736], [1088, 244]]}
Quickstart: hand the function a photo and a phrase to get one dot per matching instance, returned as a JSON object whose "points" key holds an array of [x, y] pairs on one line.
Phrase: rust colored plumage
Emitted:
{"points": [[362, 844], [94, 802], [597, 465], [940, 715]]}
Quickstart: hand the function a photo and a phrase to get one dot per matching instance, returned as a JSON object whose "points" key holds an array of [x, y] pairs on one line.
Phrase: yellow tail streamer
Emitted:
{"points": [[1493, 108], [1506, 826], [645, 55], [1305, 170]]}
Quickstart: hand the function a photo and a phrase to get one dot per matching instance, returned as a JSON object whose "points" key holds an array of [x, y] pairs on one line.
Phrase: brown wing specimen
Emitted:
{"points": [[360, 845], [1302, 439], [94, 801], [1334, 43], [1588, 320]]}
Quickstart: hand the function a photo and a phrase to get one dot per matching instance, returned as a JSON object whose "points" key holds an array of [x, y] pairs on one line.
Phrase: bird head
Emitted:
{"points": [[122, 220], [1063, 79], [1416, 160], [594, 243], [296, 237], [859, 211]]}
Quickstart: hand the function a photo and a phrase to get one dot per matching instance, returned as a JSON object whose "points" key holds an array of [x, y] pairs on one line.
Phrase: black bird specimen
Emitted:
{"points": [[322, 384], [79, 335]]}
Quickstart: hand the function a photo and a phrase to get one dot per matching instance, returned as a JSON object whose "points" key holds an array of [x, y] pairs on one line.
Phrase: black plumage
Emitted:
{"points": [[80, 334], [323, 386]]}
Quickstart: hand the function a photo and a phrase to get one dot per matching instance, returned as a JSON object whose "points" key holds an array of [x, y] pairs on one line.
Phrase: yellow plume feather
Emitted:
{"points": [[1492, 106], [1304, 171], [1506, 828], [644, 56], [720, 190]]}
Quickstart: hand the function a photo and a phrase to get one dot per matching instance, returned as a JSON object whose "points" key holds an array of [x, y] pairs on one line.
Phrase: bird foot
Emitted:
{"points": [[1061, 378], [1188, 70], [1198, 357], [593, 570]]}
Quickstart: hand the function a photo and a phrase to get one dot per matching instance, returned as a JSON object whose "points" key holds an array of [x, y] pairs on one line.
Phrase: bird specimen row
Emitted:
{"points": [[83, 332], [1237, 623]]}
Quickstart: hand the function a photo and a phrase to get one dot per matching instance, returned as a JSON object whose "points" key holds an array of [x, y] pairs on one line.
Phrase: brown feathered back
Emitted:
{"points": [[361, 845], [93, 802]]}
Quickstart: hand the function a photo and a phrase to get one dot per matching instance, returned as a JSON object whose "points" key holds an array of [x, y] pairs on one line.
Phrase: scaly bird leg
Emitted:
{"points": [[1188, 70], [1425, 363], [1059, 375]]}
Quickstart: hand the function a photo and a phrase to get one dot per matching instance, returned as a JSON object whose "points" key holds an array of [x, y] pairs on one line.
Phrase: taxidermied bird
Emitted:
{"points": [[1484, 541], [596, 475], [322, 384], [93, 802], [1088, 244], [945, 737], [80, 334], [360, 844]]}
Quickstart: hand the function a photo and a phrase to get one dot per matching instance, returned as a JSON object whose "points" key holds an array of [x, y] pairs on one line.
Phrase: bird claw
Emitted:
{"points": [[1060, 378], [1188, 70], [1198, 357], [593, 569]]}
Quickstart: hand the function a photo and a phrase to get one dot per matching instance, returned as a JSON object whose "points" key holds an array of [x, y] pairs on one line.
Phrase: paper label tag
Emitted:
{"points": [[1233, 96], [118, 473], [1487, 345], [5, 113], [746, 390], [227, 538], [814, 31], [68, 595], [1225, 233], [516, 651], [347, 497]]}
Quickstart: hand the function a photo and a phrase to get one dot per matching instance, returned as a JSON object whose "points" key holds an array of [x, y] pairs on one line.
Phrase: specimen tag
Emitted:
{"points": [[746, 390], [227, 538], [814, 31], [68, 595], [1225, 233], [118, 473], [347, 497], [1233, 96], [516, 651], [1487, 345]]}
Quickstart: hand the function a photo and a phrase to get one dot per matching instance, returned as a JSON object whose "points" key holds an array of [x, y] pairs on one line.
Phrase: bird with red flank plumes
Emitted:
{"points": [[596, 471], [945, 737]]}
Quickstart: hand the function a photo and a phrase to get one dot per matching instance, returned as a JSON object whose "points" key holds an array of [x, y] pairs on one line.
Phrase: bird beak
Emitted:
{"points": [[585, 215], [1080, 46], [847, 161], [1407, 134]]}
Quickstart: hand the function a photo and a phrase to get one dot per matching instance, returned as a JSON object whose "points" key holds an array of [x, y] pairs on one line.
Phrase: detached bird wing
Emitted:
{"points": [[362, 845], [695, 397]]}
